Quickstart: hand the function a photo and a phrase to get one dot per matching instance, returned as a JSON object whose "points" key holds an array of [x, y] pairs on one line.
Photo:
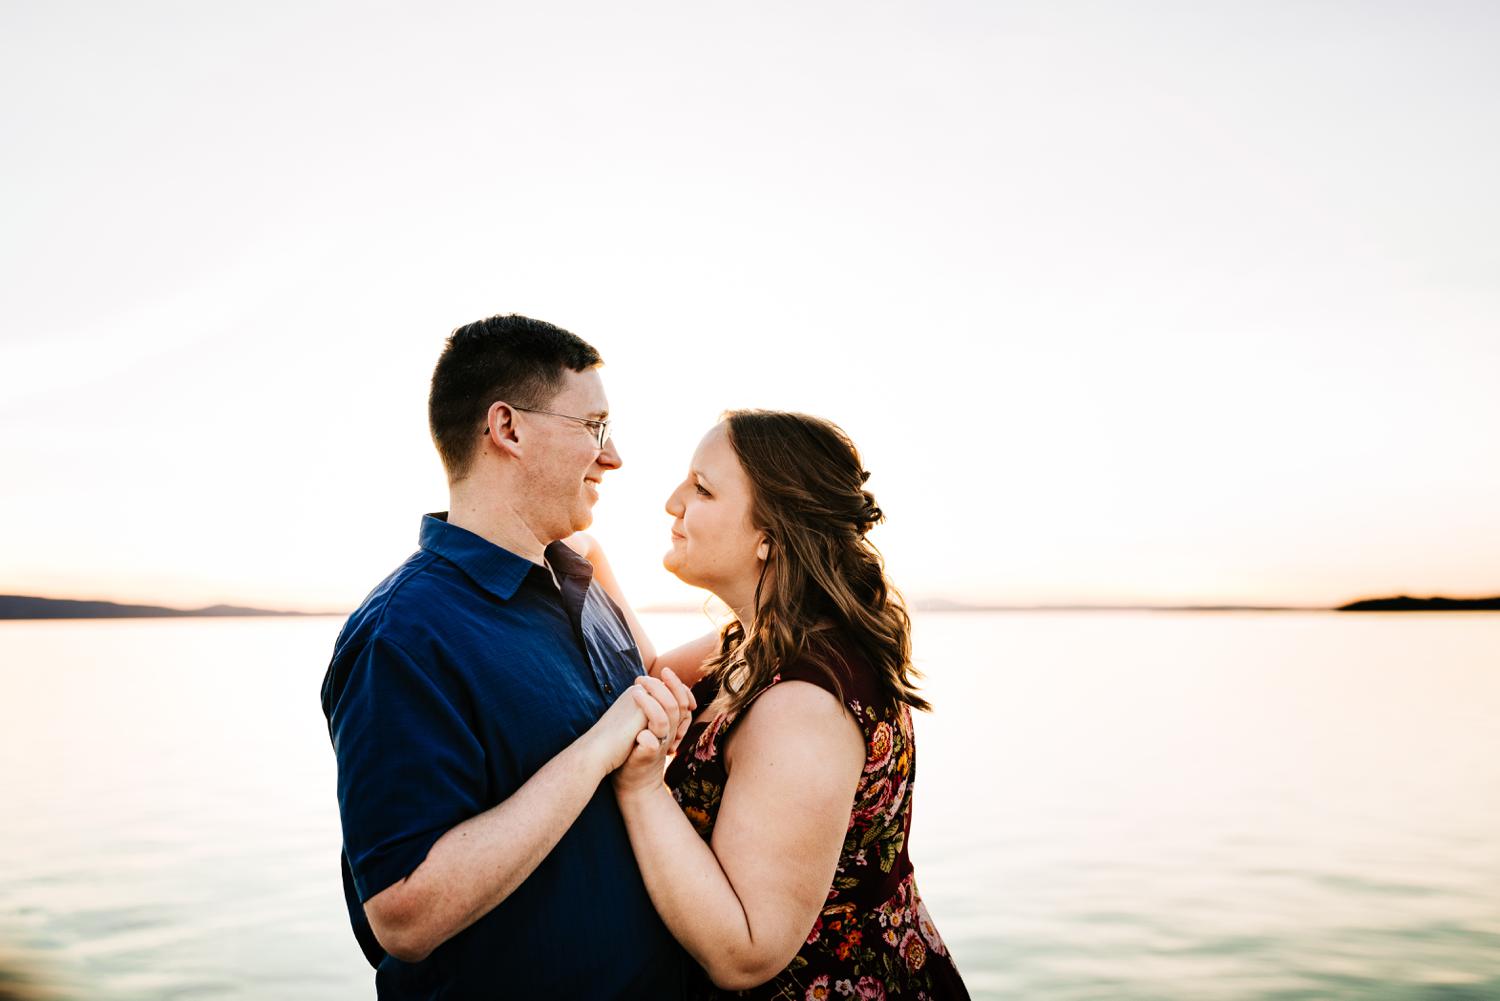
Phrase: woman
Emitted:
{"points": [[775, 851]]}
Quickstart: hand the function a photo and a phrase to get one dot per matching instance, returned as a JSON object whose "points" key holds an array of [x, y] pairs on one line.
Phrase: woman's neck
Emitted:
{"points": [[740, 596]]}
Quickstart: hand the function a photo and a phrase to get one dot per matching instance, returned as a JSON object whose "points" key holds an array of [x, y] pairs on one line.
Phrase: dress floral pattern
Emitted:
{"points": [[873, 938]]}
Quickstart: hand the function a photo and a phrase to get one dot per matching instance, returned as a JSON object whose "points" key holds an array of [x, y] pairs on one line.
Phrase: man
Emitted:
{"points": [[478, 698]]}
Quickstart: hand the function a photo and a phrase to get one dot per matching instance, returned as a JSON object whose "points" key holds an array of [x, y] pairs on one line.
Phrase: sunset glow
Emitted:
{"points": [[1115, 315]]}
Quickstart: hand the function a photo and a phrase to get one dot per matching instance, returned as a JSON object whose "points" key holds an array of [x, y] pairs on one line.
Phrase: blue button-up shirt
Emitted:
{"points": [[461, 675]]}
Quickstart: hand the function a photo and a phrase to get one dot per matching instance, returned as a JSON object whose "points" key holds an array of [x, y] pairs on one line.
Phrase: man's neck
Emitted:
{"points": [[496, 522]]}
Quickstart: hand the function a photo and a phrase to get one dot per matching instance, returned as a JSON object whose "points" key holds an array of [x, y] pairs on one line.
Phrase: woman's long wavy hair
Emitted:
{"points": [[823, 595]]}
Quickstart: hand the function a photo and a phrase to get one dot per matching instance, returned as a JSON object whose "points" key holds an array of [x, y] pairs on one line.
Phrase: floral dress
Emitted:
{"points": [[873, 939]]}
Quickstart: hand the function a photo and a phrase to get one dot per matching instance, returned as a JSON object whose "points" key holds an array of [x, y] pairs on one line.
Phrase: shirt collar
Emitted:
{"points": [[567, 563], [499, 571]]}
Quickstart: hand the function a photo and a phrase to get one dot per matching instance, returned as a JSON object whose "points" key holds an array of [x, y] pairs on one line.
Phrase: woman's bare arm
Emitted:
{"points": [[686, 661], [743, 905]]}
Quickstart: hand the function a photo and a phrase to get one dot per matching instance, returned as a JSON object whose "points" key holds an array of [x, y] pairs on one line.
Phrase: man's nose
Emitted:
{"points": [[674, 507], [609, 457]]}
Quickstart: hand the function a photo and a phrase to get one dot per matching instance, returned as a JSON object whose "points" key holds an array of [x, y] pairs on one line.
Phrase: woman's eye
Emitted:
{"points": [[699, 487]]}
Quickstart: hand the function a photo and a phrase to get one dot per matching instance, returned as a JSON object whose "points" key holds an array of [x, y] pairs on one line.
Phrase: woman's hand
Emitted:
{"points": [[634, 713], [642, 768]]}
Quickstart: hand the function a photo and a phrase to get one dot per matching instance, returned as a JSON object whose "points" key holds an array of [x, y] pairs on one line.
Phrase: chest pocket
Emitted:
{"points": [[613, 655]]}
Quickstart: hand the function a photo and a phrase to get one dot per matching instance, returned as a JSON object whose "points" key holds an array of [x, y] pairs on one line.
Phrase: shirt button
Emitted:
{"points": [[609, 689]]}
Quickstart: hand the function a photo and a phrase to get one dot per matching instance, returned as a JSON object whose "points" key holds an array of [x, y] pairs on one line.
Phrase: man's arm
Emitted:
{"points": [[478, 863]]}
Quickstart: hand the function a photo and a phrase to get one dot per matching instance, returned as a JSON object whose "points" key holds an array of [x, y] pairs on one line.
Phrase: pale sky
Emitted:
{"points": [[1122, 302]]}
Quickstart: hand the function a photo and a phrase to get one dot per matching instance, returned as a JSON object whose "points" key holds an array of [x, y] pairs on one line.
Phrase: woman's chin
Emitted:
{"points": [[675, 565]]}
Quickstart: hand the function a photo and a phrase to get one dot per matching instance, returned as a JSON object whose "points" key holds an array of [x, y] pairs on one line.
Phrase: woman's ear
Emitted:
{"points": [[763, 551]]}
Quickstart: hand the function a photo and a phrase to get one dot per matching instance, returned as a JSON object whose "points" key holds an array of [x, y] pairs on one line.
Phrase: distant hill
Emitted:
{"points": [[1404, 603], [944, 605], [15, 606]]}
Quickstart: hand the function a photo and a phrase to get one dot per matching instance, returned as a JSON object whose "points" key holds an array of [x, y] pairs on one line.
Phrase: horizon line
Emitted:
{"points": [[105, 608]]}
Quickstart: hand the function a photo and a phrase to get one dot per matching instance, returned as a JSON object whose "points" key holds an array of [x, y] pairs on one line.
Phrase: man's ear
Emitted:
{"points": [[503, 431]]}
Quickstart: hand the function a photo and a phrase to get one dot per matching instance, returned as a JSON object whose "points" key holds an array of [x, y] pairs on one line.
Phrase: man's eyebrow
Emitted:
{"points": [[599, 415]]}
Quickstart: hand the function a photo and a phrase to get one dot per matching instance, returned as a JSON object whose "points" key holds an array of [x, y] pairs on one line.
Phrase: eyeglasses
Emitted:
{"points": [[600, 428]]}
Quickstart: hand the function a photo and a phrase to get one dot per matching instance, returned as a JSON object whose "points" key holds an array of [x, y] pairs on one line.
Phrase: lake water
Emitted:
{"points": [[1109, 806]]}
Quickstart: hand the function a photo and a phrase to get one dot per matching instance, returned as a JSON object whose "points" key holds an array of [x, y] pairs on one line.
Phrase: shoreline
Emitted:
{"points": [[22, 608]]}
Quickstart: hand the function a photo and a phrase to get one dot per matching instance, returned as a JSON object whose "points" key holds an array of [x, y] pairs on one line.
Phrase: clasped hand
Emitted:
{"points": [[643, 727]]}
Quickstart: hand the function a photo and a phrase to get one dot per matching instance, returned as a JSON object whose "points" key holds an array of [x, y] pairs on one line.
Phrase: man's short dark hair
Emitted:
{"points": [[511, 358]]}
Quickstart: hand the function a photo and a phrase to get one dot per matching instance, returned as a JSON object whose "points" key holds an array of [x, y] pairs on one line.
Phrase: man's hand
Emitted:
{"points": [[610, 739], [670, 711]]}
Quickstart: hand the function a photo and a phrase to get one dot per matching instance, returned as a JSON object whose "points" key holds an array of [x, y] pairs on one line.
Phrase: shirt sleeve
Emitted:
{"points": [[410, 766]]}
